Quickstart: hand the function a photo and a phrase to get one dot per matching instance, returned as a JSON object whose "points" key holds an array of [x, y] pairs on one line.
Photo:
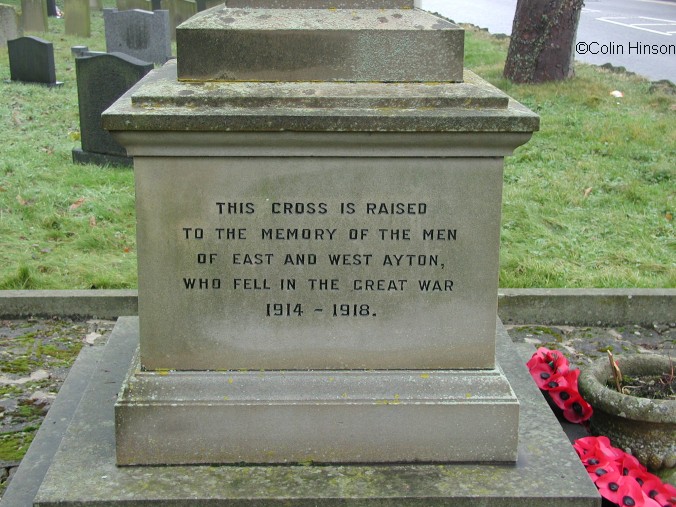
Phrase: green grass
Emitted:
{"points": [[587, 203]]}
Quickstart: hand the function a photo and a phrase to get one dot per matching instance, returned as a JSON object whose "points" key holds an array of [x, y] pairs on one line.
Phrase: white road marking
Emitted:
{"points": [[639, 26], [661, 2]]}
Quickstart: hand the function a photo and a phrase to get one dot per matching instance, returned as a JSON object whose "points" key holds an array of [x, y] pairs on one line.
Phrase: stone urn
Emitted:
{"points": [[644, 427]]}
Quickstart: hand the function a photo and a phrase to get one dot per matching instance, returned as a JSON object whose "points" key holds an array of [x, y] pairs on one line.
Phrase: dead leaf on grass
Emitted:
{"points": [[77, 204], [92, 221], [21, 200], [587, 191]]}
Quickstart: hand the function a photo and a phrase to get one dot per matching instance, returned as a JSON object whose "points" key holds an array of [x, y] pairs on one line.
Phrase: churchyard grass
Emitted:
{"points": [[587, 203]]}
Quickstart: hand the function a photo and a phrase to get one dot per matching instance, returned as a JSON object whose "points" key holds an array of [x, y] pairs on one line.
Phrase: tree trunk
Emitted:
{"points": [[543, 38]]}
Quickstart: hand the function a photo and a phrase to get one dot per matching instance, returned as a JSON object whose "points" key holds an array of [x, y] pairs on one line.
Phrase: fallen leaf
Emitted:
{"points": [[587, 191], [2, 189], [92, 221], [617, 93], [126, 249], [669, 216], [77, 204], [21, 200], [74, 135]]}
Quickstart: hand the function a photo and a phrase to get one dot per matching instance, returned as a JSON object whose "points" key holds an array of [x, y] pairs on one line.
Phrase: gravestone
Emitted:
{"points": [[96, 5], [9, 24], [52, 10], [77, 51], [101, 80], [318, 216], [142, 34], [31, 60], [179, 11], [77, 17], [34, 15]]}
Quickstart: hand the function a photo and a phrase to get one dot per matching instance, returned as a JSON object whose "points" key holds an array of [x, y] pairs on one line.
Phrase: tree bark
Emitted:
{"points": [[543, 38]]}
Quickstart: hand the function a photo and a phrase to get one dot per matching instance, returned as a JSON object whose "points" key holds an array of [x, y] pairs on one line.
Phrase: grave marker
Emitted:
{"points": [[9, 24], [282, 229], [34, 15], [179, 11], [52, 10], [101, 80], [77, 17], [31, 60], [142, 34]]}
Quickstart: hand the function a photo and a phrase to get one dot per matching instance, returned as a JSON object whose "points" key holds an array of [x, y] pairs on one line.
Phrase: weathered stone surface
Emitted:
{"points": [[161, 104], [9, 24], [224, 44], [31, 60], [84, 469], [110, 75], [318, 416], [34, 15], [139, 33], [421, 303], [76, 13]]}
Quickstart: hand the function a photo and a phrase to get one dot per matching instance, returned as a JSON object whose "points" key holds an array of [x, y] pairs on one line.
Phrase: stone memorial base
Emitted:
{"points": [[330, 416], [83, 472]]}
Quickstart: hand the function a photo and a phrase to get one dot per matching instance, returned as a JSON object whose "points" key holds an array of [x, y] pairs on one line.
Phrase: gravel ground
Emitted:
{"points": [[36, 354]]}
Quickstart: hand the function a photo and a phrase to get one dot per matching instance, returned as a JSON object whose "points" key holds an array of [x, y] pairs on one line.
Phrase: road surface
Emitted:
{"points": [[634, 34]]}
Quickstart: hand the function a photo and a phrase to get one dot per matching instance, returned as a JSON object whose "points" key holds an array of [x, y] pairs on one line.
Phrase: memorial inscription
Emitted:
{"points": [[256, 269]]}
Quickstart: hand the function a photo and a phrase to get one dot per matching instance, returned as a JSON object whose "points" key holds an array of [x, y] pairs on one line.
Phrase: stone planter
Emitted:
{"points": [[642, 426]]}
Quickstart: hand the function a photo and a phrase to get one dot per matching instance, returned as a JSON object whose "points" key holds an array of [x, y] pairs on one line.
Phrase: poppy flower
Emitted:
{"points": [[619, 476], [663, 494], [575, 409], [554, 359], [624, 491]]}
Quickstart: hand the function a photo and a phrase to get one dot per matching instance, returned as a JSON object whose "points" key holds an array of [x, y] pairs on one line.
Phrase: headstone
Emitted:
{"points": [[52, 10], [203, 5], [9, 24], [142, 34], [179, 11], [101, 80], [34, 15], [77, 17], [96, 5], [31, 60], [78, 51]]}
